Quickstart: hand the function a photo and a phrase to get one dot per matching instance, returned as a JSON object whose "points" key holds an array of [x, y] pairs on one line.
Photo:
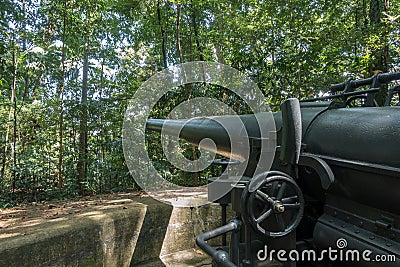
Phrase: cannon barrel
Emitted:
{"points": [[194, 131], [361, 145], [364, 134], [222, 130]]}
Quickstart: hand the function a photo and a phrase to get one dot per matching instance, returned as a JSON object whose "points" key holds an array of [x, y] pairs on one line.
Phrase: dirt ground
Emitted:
{"points": [[13, 220]]}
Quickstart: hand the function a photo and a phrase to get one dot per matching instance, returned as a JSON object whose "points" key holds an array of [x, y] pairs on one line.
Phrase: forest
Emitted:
{"points": [[68, 69]]}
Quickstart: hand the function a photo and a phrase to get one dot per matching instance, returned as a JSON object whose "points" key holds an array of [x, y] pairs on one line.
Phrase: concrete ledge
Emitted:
{"points": [[144, 230]]}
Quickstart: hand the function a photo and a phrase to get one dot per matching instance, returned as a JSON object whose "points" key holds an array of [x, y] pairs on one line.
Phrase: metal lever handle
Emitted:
{"points": [[220, 256]]}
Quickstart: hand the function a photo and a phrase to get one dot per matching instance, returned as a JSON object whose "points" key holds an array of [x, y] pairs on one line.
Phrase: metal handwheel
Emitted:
{"points": [[273, 194]]}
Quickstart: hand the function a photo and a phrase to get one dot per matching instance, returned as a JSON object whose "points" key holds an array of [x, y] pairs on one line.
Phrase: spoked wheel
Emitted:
{"points": [[273, 204]]}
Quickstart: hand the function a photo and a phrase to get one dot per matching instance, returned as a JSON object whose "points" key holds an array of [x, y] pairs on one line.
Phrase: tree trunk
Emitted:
{"points": [[364, 14], [163, 36], [218, 53], [378, 26], [178, 38], [196, 32], [14, 151], [11, 111], [381, 55], [60, 181], [101, 134], [187, 88], [83, 121], [26, 77]]}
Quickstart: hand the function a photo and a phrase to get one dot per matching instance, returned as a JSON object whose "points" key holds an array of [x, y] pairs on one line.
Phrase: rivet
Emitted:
{"points": [[347, 219], [335, 213], [357, 231], [388, 244], [372, 237]]}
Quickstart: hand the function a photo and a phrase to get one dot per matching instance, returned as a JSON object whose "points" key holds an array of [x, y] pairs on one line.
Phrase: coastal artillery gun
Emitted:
{"points": [[333, 183]]}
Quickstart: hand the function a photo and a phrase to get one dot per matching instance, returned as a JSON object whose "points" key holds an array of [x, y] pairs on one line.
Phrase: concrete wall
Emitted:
{"points": [[143, 231]]}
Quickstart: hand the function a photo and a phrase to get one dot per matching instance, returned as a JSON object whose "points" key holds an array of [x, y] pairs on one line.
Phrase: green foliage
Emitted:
{"points": [[289, 48]]}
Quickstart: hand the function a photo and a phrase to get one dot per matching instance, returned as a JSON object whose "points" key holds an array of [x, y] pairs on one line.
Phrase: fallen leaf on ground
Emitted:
{"points": [[198, 251]]}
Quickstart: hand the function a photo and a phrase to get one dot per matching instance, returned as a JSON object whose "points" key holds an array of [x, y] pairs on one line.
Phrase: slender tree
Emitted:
{"points": [[163, 35], [61, 96], [82, 161]]}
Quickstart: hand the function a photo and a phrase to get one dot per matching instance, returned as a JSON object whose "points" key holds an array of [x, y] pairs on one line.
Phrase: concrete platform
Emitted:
{"points": [[184, 258], [144, 233]]}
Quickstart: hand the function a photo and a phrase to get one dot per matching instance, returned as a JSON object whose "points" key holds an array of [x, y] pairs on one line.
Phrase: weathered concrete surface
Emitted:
{"points": [[144, 231], [182, 258]]}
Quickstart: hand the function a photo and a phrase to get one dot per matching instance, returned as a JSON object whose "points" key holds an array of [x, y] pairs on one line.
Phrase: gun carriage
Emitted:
{"points": [[335, 175]]}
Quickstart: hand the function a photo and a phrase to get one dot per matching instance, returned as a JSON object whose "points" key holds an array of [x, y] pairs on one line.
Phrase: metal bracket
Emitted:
{"points": [[320, 167]]}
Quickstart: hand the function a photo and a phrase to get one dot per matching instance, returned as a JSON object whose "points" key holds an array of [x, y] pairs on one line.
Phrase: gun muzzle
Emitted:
{"points": [[232, 135]]}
